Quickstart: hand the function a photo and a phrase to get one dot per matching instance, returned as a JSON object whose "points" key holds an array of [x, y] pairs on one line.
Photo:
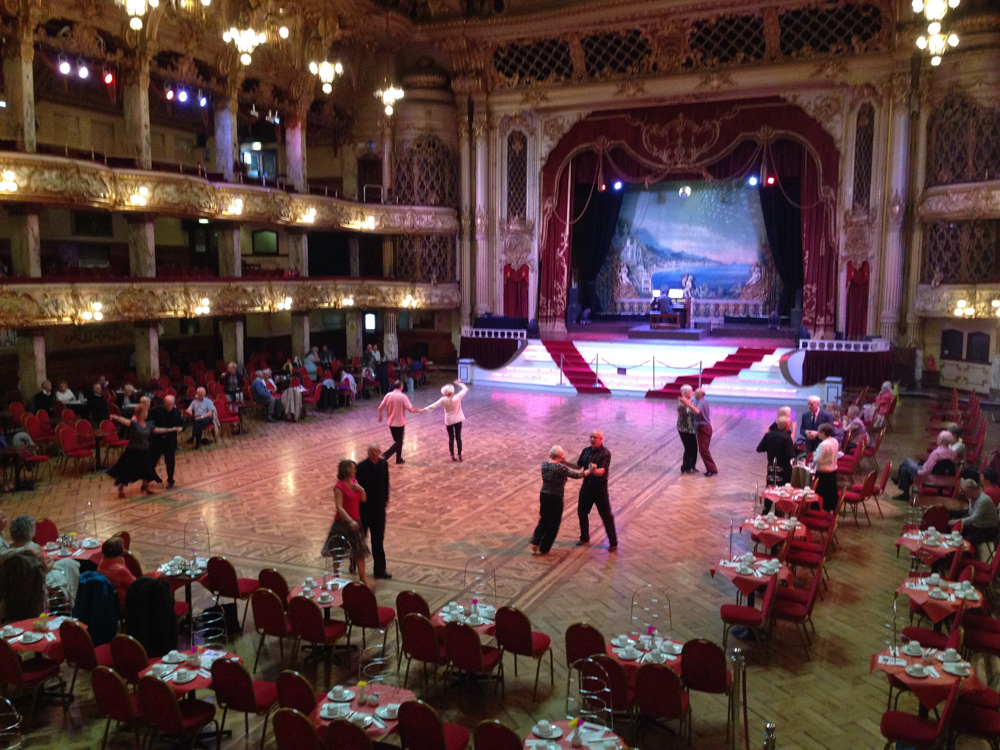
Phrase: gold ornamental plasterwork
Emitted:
{"points": [[824, 107], [859, 237], [941, 301], [32, 305], [75, 183], [980, 200], [554, 128]]}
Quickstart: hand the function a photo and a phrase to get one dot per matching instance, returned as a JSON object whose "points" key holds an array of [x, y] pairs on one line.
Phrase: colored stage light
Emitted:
{"points": [[770, 180], [170, 95], [64, 68], [182, 96], [601, 188], [109, 77], [618, 184], [752, 182], [83, 71]]}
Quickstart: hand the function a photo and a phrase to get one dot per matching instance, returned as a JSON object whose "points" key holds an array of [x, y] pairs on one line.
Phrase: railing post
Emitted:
{"points": [[654, 374], [597, 364], [561, 358], [770, 737], [701, 369]]}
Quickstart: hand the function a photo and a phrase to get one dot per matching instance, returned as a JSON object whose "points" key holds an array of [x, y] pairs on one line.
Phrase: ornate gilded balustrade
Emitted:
{"points": [[980, 200], [46, 304], [944, 300], [56, 180]]}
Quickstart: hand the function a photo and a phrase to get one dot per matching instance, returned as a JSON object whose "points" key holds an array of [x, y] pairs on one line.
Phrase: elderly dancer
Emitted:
{"points": [[703, 432], [910, 469], [346, 530], [453, 415], [686, 412], [134, 464], [594, 491], [396, 404], [555, 472]]}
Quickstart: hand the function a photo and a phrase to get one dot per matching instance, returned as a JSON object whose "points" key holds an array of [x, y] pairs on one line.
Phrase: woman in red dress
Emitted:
{"points": [[345, 533]]}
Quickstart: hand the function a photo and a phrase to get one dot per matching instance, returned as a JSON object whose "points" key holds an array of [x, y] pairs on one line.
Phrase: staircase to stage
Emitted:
{"points": [[730, 366], [575, 367]]}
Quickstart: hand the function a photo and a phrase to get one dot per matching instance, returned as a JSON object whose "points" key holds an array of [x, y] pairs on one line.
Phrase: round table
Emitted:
{"points": [[336, 592], [929, 690], [631, 666], [93, 554], [203, 676], [487, 628], [611, 740], [50, 644], [746, 584], [387, 694]]}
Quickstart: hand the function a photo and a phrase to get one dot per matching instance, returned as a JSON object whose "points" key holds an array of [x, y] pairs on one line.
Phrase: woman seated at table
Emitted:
{"points": [[345, 534], [127, 400], [854, 430], [64, 394], [113, 567]]}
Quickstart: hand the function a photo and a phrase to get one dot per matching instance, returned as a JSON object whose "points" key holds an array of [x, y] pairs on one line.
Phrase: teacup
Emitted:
{"points": [[962, 669], [452, 606], [183, 674], [931, 531], [7, 632], [934, 578], [544, 727], [325, 598], [193, 661], [918, 669], [913, 647], [950, 655], [372, 699], [160, 669], [336, 710], [629, 652], [311, 581], [744, 570], [392, 711], [749, 557], [359, 719], [475, 620]]}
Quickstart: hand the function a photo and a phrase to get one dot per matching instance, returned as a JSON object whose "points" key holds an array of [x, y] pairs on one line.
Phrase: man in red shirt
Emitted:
{"points": [[991, 485], [396, 404]]}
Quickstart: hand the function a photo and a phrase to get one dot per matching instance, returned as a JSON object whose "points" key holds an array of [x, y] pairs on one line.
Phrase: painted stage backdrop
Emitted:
{"points": [[705, 238]]}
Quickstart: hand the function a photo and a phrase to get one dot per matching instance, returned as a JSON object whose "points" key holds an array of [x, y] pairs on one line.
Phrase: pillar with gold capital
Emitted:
{"points": [[135, 108], [896, 199], [485, 271], [18, 71]]}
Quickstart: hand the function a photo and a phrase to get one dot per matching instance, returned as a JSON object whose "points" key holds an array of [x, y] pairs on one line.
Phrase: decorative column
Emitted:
{"points": [[390, 342], [354, 254], [465, 212], [298, 251], [295, 150], [895, 203], [135, 106], [30, 361], [25, 242], [230, 251], [300, 334], [141, 246], [226, 137], [231, 331], [388, 258], [385, 125], [147, 350], [18, 74], [355, 328], [349, 167], [484, 261], [914, 323]]}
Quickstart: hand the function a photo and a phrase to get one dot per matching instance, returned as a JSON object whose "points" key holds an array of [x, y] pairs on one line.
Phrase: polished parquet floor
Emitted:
{"points": [[267, 500]]}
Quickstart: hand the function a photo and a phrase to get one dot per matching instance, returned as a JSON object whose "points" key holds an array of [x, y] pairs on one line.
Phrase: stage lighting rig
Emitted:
{"points": [[618, 185], [753, 181]]}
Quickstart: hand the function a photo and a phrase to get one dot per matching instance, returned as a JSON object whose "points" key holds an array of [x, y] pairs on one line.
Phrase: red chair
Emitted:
{"points": [[983, 575], [849, 464], [466, 653], [514, 635], [312, 397], [128, 657], [610, 673], [31, 675], [115, 701], [68, 415], [79, 651], [294, 731], [270, 578], [133, 565], [294, 691], [226, 417], [308, 625], [45, 532], [235, 689], [420, 728], [704, 669], [111, 439], [296, 382], [126, 539], [420, 642], [16, 410], [38, 434], [221, 580], [363, 611], [410, 602], [854, 499], [582, 642], [343, 735], [269, 619], [879, 489], [71, 449], [905, 729], [796, 610], [759, 621], [492, 735], [871, 451], [167, 715], [660, 696], [84, 434]]}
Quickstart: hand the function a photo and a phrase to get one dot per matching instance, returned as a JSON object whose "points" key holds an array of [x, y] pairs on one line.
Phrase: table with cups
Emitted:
{"points": [[182, 571], [789, 500], [328, 594], [553, 735], [771, 531], [186, 671], [930, 545], [38, 635], [939, 598], [633, 651], [929, 673], [377, 714], [75, 549], [749, 574], [478, 615]]}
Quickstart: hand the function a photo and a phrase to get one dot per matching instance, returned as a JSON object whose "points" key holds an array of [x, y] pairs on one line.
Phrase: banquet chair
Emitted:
{"points": [[848, 465], [235, 689], [810, 558], [854, 499], [955, 639], [167, 715], [84, 434], [759, 621], [343, 735], [111, 439], [492, 735], [705, 669], [410, 602], [308, 625], [975, 721], [270, 578], [515, 636], [871, 450], [659, 697], [221, 580], [420, 642], [822, 521], [126, 539], [79, 651], [293, 731], [984, 574], [420, 728], [128, 658], [583, 641], [794, 609], [295, 691], [363, 611], [29, 676], [879, 489], [71, 449], [467, 654], [115, 702], [901, 728], [269, 619]]}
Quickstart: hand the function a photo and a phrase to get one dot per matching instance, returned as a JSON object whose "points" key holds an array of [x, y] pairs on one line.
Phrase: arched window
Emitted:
{"points": [[864, 140]]}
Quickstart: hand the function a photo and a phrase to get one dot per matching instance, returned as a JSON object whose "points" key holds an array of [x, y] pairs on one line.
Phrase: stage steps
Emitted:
{"points": [[731, 366], [575, 367]]}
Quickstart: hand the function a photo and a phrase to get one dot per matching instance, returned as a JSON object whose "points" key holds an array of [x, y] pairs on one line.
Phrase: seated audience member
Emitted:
{"points": [[958, 445], [64, 394], [839, 430], [22, 586], [981, 522], [272, 387], [261, 395], [854, 430], [780, 450], [366, 356], [103, 382], [325, 357], [113, 567], [311, 362], [232, 383], [127, 400], [203, 411], [809, 425], [22, 533], [910, 469], [347, 386], [97, 405], [44, 398], [991, 485], [882, 403]]}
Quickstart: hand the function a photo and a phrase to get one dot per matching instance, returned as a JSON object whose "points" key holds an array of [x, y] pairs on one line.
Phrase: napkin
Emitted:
{"points": [[55, 622], [728, 564], [933, 672], [50, 636], [917, 586], [891, 661], [205, 673], [590, 731], [536, 743]]}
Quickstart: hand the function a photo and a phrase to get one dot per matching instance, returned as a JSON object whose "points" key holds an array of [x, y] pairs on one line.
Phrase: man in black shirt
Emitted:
{"points": [[165, 444], [594, 491], [780, 450], [97, 406], [373, 476], [43, 399]]}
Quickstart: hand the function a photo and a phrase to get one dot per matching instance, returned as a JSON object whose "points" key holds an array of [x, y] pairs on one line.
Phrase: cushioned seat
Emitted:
{"points": [[455, 737], [247, 586], [385, 616], [921, 732], [39, 669], [539, 642], [491, 655], [195, 714], [103, 654], [265, 693], [737, 614]]}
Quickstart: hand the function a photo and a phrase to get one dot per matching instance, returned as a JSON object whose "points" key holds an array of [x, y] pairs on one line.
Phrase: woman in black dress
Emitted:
{"points": [[134, 464]]}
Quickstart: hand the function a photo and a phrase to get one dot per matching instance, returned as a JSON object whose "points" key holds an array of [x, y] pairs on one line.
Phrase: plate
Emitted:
{"points": [[931, 543], [971, 596], [91, 543], [911, 652], [367, 722], [621, 641], [959, 669], [325, 599], [916, 670], [173, 658], [16, 632], [191, 674], [346, 698], [653, 660], [555, 732], [937, 594], [383, 713], [29, 638], [51, 546]]}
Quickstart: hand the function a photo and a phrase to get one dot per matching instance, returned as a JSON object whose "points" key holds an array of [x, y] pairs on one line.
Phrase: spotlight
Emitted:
{"points": [[602, 187], [283, 32], [770, 180], [170, 94], [752, 182], [64, 68], [3, 104], [618, 185], [109, 77], [202, 100], [83, 71], [182, 96], [685, 191]]}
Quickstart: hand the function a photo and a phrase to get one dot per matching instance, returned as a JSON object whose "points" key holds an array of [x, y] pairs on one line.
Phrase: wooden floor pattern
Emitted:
{"points": [[267, 500]]}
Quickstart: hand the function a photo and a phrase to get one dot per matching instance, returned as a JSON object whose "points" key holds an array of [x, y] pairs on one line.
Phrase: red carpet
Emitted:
{"points": [[580, 375], [726, 368]]}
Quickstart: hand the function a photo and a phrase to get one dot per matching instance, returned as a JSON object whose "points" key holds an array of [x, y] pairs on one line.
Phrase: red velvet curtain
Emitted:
{"points": [[699, 141], [515, 291], [857, 300]]}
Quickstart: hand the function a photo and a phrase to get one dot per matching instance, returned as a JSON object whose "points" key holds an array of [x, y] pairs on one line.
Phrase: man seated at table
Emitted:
{"points": [[991, 485], [44, 398], [113, 567], [311, 362], [97, 405], [262, 396], [203, 411], [958, 445], [808, 437], [981, 522], [942, 461]]}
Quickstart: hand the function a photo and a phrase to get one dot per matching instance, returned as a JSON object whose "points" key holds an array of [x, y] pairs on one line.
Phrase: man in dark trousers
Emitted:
{"points": [[594, 491], [373, 476], [165, 444]]}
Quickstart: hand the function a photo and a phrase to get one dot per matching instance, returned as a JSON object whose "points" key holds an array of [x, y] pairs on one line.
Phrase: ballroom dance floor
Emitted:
{"points": [[267, 500]]}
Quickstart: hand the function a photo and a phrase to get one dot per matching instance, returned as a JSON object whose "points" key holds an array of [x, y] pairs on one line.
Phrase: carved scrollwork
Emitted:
{"points": [[515, 243], [941, 301], [859, 234], [824, 107], [554, 128], [973, 201]]}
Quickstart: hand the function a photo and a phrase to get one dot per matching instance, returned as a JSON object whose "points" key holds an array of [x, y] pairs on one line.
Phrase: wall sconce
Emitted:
{"points": [[366, 224], [203, 308], [7, 185], [94, 313], [410, 302], [964, 310], [235, 208], [348, 302], [996, 307], [139, 198], [309, 217], [285, 304]]}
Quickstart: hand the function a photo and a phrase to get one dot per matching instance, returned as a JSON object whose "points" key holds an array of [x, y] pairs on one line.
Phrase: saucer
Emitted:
{"points": [[958, 668], [383, 713], [331, 711], [90, 544], [912, 651], [932, 543], [622, 641], [659, 658], [180, 680], [916, 670], [672, 648], [554, 732], [51, 546], [14, 633], [346, 697], [365, 723], [174, 658], [937, 594], [29, 638], [325, 599], [632, 657]]}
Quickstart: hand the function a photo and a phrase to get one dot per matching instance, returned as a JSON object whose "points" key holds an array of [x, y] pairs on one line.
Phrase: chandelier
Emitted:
{"points": [[389, 96], [136, 9], [935, 41], [326, 71], [245, 40]]}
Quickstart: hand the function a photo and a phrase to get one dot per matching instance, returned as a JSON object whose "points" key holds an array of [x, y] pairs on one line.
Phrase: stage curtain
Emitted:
{"points": [[857, 370], [515, 291], [592, 233], [857, 300], [783, 223], [488, 353]]}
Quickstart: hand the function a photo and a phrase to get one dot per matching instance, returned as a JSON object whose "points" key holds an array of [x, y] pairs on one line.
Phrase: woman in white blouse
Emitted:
{"points": [[825, 460], [453, 415]]}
